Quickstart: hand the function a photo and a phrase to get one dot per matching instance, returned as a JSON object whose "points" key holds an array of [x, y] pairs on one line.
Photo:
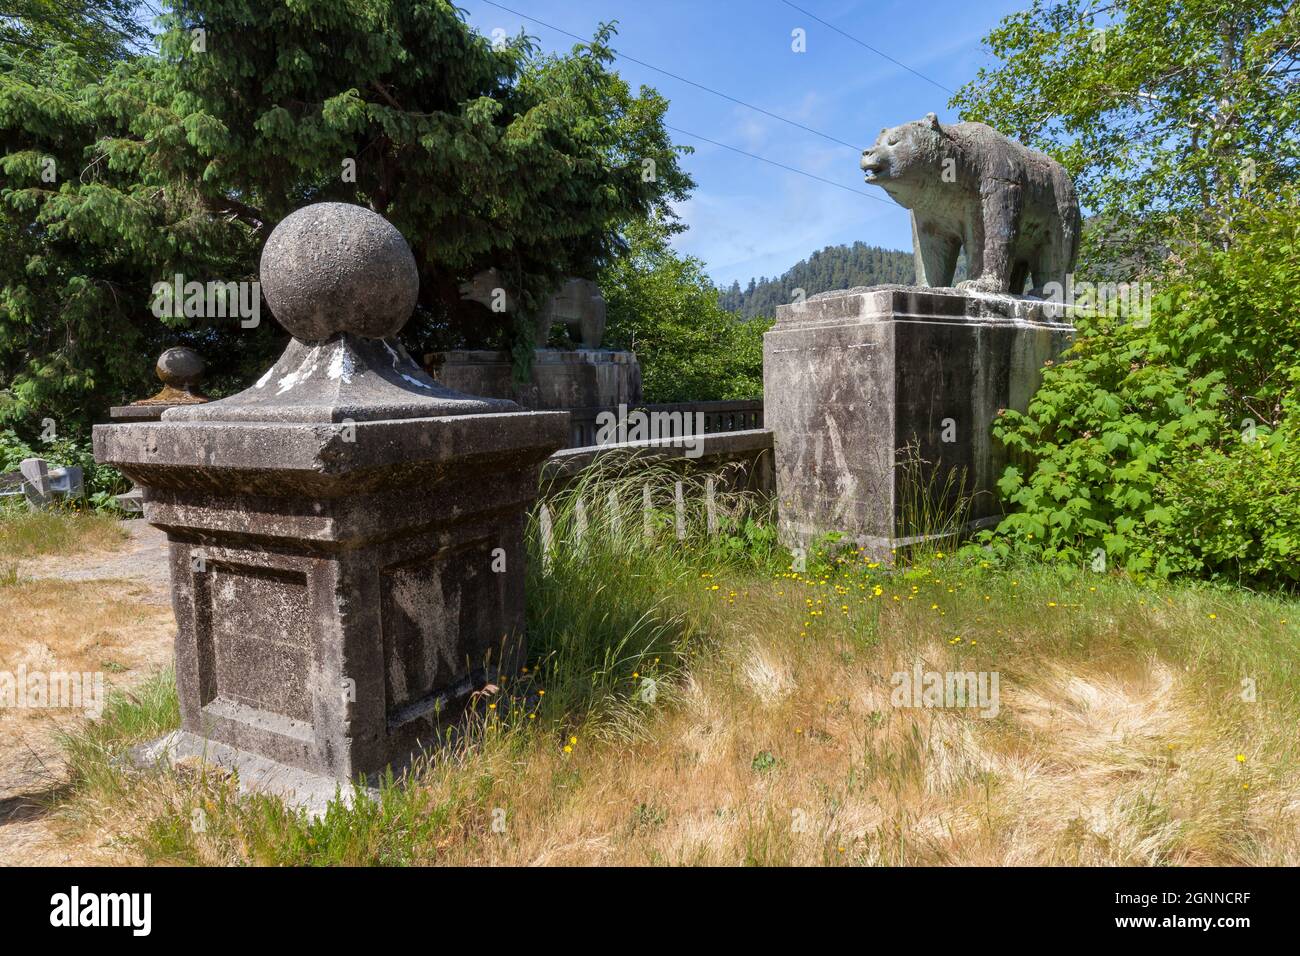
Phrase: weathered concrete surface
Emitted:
{"points": [[345, 378], [583, 378], [345, 536], [313, 792], [1013, 209], [854, 379], [334, 267]]}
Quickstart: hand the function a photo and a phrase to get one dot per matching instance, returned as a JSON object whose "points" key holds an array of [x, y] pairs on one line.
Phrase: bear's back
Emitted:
{"points": [[988, 155]]}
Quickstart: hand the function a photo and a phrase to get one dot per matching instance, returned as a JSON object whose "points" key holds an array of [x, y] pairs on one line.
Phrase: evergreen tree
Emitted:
{"points": [[826, 270], [183, 160]]}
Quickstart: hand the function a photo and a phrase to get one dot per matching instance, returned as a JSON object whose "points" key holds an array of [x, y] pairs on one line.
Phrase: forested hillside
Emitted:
{"points": [[835, 267]]}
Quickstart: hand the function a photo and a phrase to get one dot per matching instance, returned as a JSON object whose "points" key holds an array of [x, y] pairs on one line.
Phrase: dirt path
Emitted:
{"points": [[104, 612], [142, 558]]}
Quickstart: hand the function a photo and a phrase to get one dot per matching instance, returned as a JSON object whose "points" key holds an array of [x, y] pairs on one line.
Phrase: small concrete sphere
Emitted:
{"points": [[334, 267], [180, 367]]}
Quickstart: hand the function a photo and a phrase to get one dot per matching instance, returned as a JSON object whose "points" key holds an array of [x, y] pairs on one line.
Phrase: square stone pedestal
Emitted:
{"points": [[346, 534], [870, 389], [340, 588]]}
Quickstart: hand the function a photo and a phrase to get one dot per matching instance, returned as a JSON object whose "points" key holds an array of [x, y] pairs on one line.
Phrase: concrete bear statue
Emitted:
{"points": [[577, 303], [1013, 209]]}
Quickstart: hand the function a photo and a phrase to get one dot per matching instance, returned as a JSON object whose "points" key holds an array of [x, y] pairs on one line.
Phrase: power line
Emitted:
{"points": [[705, 139], [868, 46], [682, 79], [773, 162]]}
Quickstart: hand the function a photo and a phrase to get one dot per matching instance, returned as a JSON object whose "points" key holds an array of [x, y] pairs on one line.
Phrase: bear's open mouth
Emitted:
{"points": [[873, 166]]}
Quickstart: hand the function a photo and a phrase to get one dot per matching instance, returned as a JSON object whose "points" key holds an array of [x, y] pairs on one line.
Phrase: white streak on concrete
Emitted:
{"points": [[397, 360], [341, 364]]}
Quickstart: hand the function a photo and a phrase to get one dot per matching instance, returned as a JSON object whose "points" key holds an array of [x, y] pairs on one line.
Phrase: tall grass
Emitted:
{"points": [[130, 717], [613, 622], [933, 508], [60, 529], [611, 555]]}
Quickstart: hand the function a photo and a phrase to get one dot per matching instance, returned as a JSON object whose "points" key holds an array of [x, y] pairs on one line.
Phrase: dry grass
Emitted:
{"points": [[1122, 739], [698, 704], [1128, 762], [80, 625], [109, 627]]}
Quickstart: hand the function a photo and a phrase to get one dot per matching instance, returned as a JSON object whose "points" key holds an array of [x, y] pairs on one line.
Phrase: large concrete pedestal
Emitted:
{"points": [[346, 535], [582, 378], [877, 395]]}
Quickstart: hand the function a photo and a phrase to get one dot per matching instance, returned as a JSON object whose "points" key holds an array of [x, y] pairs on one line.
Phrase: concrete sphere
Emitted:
{"points": [[334, 267], [180, 367]]}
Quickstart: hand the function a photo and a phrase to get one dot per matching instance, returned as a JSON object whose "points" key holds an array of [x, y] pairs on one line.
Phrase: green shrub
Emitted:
{"points": [[1171, 446], [1240, 505]]}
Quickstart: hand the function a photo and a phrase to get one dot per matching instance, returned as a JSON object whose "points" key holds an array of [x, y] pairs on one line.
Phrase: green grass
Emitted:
{"points": [[61, 529], [605, 602], [129, 717]]}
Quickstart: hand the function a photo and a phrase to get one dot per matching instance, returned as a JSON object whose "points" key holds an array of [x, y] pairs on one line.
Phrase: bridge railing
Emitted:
{"points": [[671, 421]]}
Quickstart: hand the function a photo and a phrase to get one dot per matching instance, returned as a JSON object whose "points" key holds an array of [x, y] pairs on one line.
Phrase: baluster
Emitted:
{"points": [[647, 518], [579, 522], [544, 520], [680, 502], [710, 507]]}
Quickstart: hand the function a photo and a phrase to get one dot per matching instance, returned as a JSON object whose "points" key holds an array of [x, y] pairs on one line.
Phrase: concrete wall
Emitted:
{"points": [[560, 380]]}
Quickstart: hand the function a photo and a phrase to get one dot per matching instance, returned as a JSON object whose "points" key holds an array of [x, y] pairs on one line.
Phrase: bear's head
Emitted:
{"points": [[905, 154]]}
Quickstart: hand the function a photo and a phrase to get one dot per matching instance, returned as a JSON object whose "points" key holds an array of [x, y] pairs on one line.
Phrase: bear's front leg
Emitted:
{"points": [[935, 252], [592, 326], [1000, 211]]}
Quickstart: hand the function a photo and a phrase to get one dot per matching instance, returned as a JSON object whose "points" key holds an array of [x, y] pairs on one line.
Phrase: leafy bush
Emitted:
{"points": [[1172, 446], [1241, 506]]}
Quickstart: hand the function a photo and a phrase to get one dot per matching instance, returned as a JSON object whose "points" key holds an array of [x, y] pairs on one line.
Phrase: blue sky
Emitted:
{"points": [[747, 218]]}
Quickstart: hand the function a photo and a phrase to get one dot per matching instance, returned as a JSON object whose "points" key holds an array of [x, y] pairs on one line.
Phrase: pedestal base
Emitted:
{"points": [[882, 401], [341, 589], [132, 502], [583, 378], [312, 792]]}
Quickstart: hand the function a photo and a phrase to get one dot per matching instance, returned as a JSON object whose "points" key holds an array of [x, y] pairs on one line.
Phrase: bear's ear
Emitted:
{"points": [[931, 121]]}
